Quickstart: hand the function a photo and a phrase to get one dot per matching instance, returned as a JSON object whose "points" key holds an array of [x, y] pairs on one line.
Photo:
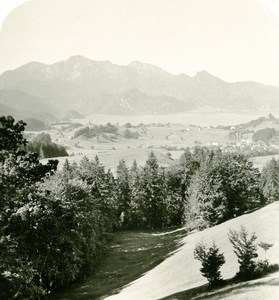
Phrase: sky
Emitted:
{"points": [[236, 40]]}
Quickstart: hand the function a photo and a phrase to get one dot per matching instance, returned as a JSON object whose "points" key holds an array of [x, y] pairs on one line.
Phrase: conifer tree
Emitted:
{"points": [[211, 260], [152, 192], [270, 180], [123, 193]]}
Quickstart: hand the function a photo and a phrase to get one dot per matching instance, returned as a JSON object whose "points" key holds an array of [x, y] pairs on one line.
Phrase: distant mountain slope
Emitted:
{"points": [[89, 86], [181, 271], [134, 101]]}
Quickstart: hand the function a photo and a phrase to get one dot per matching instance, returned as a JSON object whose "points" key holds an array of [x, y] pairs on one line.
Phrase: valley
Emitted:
{"points": [[134, 141], [139, 150]]}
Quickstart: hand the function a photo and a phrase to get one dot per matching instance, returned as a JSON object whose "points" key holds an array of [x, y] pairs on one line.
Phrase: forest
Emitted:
{"points": [[54, 223]]}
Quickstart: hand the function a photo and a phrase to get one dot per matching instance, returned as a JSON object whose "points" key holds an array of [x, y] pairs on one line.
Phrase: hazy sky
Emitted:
{"points": [[232, 39]]}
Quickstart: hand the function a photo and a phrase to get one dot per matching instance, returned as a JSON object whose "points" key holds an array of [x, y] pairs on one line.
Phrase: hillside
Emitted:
{"points": [[180, 271], [89, 86]]}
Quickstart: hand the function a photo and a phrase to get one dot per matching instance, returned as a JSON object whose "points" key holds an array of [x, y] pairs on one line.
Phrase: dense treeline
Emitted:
{"points": [[204, 188], [53, 224]]}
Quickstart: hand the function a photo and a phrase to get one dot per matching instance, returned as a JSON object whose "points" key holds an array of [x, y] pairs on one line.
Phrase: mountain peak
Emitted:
{"points": [[78, 59], [205, 76], [145, 67], [203, 73]]}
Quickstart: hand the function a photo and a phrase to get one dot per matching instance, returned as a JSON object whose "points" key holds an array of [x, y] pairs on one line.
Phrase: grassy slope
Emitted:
{"points": [[129, 255], [180, 271]]}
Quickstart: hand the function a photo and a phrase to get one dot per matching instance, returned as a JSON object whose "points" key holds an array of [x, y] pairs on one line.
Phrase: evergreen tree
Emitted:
{"points": [[152, 193], [245, 249], [137, 218], [211, 260], [205, 204], [270, 180], [123, 193]]}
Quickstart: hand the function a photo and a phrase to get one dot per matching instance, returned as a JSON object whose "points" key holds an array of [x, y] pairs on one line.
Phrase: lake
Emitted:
{"points": [[195, 118]]}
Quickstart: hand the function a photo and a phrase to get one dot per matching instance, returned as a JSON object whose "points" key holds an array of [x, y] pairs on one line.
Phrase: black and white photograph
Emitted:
{"points": [[139, 149]]}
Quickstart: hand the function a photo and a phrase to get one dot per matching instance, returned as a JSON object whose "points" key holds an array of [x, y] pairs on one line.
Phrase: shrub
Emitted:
{"points": [[211, 260], [263, 266]]}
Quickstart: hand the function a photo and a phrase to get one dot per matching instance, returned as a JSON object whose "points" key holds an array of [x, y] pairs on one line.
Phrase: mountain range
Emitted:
{"points": [[91, 87]]}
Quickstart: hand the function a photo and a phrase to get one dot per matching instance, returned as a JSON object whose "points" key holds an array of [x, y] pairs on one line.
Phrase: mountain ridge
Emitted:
{"points": [[81, 84]]}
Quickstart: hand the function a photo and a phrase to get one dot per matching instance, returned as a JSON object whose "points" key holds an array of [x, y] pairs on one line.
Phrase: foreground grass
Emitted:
{"points": [[130, 254], [262, 288]]}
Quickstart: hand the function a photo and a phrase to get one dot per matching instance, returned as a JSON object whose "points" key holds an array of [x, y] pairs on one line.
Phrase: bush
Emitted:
{"points": [[245, 249], [211, 260], [263, 266]]}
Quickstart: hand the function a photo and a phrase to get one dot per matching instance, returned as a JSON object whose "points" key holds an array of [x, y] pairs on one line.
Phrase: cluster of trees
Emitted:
{"points": [[264, 135], [128, 134], [95, 130], [245, 248], [224, 187], [53, 225], [45, 148], [202, 189]]}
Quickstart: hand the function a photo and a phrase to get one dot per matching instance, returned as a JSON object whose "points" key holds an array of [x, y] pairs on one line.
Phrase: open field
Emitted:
{"points": [[162, 139], [167, 141]]}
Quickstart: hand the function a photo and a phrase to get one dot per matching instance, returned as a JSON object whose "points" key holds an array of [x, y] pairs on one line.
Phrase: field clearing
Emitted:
{"points": [[162, 139]]}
